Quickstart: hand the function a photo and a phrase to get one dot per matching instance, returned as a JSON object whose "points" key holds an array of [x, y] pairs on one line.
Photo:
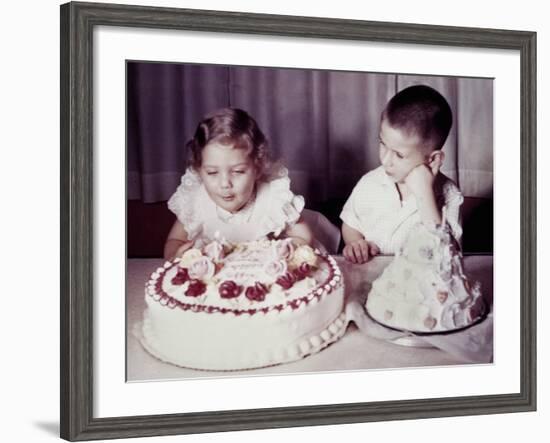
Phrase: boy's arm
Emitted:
{"points": [[453, 202], [176, 242], [350, 234], [420, 182], [357, 249], [427, 207]]}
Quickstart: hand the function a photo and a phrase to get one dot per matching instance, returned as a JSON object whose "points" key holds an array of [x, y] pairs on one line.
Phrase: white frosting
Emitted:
{"points": [[424, 289], [210, 332]]}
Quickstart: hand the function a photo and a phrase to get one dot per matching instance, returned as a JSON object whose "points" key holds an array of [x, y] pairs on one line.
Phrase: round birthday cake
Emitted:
{"points": [[424, 288], [250, 305]]}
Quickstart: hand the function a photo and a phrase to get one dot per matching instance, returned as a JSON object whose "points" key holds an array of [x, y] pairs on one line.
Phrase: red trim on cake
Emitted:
{"points": [[333, 280]]}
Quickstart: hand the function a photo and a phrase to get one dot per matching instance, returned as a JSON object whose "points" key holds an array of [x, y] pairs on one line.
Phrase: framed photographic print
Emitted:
{"points": [[245, 233]]}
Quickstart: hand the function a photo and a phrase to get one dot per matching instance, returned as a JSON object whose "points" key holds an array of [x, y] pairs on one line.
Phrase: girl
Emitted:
{"points": [[230, 191]]}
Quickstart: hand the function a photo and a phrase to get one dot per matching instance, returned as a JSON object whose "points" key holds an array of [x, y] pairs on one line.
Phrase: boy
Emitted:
{"points": [[407, 188]]}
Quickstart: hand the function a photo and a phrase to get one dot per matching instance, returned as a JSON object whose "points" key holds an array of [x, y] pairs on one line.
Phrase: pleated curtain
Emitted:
{"points": [[323, 125]]}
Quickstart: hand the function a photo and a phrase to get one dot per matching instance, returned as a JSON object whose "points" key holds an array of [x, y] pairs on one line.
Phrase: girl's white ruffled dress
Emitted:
{"points": [[271, 211]]}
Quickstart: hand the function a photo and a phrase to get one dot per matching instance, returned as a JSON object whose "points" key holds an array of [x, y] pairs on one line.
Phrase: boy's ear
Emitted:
{"points": [[436, 161], [436, 158]]}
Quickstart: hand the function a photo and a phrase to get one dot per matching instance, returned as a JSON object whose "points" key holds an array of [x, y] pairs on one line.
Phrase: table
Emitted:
{"points": [[356, 350]]}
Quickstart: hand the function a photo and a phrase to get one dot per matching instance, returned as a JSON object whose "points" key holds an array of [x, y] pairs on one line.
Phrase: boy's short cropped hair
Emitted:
{"points": [[420, 110]]}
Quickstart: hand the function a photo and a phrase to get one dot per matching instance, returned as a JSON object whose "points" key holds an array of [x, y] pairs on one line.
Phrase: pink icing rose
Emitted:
{"points": [[275, 268], [195, 288], [302, 271], [189, 257], [181, 277], [284, 249], [229, 289], [256, 292], [202, 269], [214, 250], [304, 254], [287, 280]]}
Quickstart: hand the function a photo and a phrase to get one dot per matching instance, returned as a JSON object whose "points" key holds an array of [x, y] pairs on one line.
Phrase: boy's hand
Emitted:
{"points": [[420, 182], [360, 251], [421, 178]]}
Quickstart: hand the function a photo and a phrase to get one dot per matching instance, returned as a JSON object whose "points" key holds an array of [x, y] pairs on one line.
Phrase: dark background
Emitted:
{"points": [[323, 125]]}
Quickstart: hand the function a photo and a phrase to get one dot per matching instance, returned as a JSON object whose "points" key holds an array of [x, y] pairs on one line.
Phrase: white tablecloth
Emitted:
{"points": [[357, 350]]}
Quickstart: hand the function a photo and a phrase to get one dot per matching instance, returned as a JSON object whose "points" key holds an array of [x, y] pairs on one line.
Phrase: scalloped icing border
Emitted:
{"points": [[305, 347]]}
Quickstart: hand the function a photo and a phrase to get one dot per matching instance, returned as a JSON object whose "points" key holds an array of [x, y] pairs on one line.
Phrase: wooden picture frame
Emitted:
{"points": [[77, 375]]}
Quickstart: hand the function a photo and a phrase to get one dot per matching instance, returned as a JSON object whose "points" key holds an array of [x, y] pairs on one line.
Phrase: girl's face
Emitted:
{"points": [[228, 174], [400, 152]]}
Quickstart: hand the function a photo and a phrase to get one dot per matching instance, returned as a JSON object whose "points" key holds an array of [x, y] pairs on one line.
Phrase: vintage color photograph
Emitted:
{"points": [[295, 220]]}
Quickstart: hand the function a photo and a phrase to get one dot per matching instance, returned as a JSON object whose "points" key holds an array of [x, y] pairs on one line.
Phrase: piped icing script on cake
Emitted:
{"points": [[424, 289], [255, 304]]}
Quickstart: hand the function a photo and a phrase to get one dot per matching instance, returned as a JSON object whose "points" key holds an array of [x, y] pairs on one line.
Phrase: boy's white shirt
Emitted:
{"points": [[273, 209], [375, 209]]}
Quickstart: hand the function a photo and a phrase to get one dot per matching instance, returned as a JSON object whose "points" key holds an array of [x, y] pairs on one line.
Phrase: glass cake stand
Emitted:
{"points": [[420, 339]]}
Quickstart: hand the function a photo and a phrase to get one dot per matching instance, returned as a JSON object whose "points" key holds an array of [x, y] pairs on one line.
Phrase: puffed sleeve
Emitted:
{"points": [[453, 199], [184, 201], [278, 206]]}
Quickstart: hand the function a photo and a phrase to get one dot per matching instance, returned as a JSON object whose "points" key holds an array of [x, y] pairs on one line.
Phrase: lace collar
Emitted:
{"points": [[240, 217]]}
